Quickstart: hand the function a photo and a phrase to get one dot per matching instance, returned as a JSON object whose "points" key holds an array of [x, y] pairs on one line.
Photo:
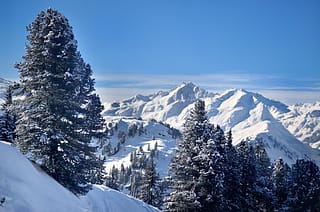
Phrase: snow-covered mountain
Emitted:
{"points": [[303, 121], [160, 106], [249, 115], [24, 187]]}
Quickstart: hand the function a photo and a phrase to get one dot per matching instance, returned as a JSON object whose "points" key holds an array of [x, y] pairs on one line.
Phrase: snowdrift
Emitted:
{"points": [[25, 187]]}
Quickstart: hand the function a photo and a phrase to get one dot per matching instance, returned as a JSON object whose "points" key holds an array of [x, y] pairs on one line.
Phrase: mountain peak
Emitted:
{"points": [[187, 91]]}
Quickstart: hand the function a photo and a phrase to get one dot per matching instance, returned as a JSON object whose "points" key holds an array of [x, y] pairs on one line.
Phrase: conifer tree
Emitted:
{"points": [[304, 192], [53, 116], [280, 184], [248, 176], [231, 176], [183, 168], [7, 118], [197, 171], [150, 191], [263, 196]]}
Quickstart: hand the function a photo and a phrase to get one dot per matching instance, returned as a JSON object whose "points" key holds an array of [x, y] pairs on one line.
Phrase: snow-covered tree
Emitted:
{"points": [[7, 118], [197, 173], [56, 116], [183, 169], [248, 176], [304, 192], [231, 176], [280, 184], [263, 194], [209, 187], [150, 190]]}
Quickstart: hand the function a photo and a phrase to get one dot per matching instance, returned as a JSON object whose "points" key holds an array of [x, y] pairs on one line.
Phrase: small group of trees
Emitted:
{"points": [[208, 173], [140, 178], [55, 111]]}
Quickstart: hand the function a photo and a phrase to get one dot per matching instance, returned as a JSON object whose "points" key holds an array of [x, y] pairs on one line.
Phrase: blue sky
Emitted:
{"points": [[267, 46]]}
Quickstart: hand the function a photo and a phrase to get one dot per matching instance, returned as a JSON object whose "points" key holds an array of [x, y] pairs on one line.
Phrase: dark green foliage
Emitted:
{"points": [[150, 189], [263, 193], [196, 170], [248, 176], [7, 117], [209, 174], [304, 192], [231, 176], [59, 112], [112, 179], [280, 183], [132, 130]]}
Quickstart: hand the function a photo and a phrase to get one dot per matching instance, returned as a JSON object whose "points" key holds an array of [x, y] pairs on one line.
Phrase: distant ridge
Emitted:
{"points": [[249, 115]]}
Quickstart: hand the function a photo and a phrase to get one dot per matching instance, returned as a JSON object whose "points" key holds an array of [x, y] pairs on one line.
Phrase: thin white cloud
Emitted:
{"points": [[291, 97], [114, 87]]}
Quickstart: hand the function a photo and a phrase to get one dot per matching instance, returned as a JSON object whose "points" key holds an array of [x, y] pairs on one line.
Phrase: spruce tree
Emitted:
{"points": [[231, 176], [196, 170], [7, 117], [53, 114], [91, 108], [304, 192], [263, 196], [184, 170], [280, 184], [150, 191], [248, 176]]}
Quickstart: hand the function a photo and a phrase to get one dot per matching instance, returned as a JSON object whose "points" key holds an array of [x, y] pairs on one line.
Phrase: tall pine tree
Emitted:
{"points": [[263, 194], [197, 167], [150, 191], [183, 168], [280, 184], [53, 115], [248, 176], [231, 176], [7, 117]]}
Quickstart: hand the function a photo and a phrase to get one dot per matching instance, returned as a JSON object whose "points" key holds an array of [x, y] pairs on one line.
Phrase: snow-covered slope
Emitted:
{"points": [[303, 121], [149, 135], [25, 187], [249, 115], [160, 106]]}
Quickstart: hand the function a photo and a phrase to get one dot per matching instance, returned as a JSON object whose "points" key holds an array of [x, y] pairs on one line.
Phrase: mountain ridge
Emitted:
{"points": [[249, 115]]}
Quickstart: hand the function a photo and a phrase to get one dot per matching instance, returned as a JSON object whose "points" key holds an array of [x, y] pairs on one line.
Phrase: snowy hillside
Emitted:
{"points": [[128, 135], [303, 121], [249, 115], [24, 187]]}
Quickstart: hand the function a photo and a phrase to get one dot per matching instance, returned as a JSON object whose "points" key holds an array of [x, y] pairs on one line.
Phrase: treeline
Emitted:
{"points": [[208, 173]]}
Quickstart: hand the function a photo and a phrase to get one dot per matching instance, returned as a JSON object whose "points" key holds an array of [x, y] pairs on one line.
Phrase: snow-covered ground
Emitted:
{"points": [[153, 134], [26, 188]]}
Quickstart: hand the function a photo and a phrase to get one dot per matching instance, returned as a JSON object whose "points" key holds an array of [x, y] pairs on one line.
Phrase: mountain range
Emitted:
{"points": [[289, 132]]}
